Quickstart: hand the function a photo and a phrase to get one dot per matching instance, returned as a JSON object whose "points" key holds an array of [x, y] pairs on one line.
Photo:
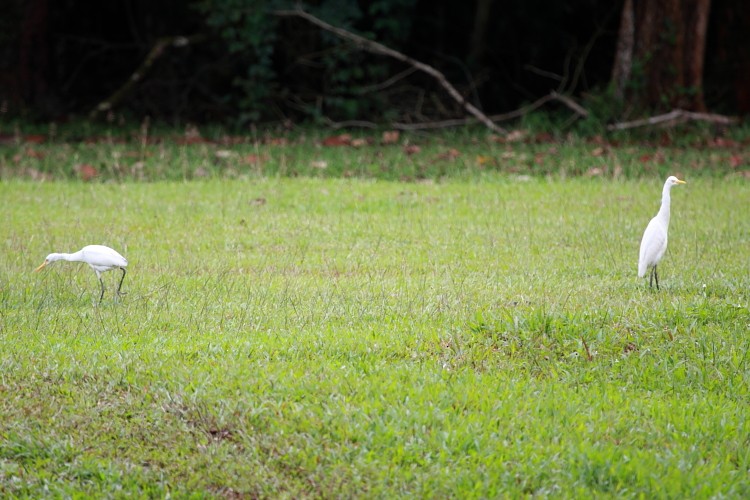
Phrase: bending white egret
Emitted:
{"points": [[654, 242], [99, 257]]}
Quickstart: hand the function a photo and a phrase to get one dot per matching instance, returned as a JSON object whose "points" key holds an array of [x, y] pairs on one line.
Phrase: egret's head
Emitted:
{"points": [[673, 181], [49, 260]]}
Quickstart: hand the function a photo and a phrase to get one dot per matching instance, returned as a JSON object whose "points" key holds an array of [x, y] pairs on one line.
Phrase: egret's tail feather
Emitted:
{"points": [[642, 268]]}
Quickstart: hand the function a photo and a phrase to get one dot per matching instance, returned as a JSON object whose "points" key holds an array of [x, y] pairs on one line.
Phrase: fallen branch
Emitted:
{"points": [[383, 85], [674, 117], [349, 124], [458, 122], [378, 48], [156, 51], [570, 103]]}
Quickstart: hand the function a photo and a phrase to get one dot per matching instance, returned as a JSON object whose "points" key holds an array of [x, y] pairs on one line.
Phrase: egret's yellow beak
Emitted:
{"points": [[41, 267], [681, 182]]}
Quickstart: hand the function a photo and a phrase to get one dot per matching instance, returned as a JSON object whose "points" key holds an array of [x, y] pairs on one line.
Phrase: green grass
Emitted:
{"points": [[127, 155], [479, 337]]}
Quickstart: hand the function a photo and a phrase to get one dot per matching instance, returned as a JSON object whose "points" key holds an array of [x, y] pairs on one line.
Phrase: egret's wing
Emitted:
{"points": [[99, 255], [653, 244]]}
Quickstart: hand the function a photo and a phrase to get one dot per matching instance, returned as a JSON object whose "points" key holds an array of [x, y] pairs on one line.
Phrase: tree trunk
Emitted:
{"points": [[695, 51], [478, 34], [623, 66], [660, 53]]}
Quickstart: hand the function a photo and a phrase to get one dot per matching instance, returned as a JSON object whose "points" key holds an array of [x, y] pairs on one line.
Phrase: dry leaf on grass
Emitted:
{"points": [[253, 159], [337, 140], [390, 137], [451, 154], [411, 149], [85, 171]]}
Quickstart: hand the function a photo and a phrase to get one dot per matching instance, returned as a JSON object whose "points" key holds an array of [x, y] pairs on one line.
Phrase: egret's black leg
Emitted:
{"points": [[101, 296], [656, 277], [651, 278], [121, 280]]}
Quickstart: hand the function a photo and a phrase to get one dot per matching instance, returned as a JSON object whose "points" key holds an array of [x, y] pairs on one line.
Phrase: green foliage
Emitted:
{"points": [[392, 19], [245, 65], [348, 72], [250, 29], [475, 338], [603, 109]]}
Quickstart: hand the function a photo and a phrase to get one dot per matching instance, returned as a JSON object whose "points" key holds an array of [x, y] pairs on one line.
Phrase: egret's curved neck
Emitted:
{"points": [[71, 257], [666, 201]]}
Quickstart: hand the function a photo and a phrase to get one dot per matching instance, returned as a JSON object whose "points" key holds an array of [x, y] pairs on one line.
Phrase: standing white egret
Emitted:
{"points": [[99, 257], [654, 242]]}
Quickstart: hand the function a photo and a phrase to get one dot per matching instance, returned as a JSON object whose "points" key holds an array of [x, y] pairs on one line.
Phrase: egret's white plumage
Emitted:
{"points": [[654, 242], [99, 257]]}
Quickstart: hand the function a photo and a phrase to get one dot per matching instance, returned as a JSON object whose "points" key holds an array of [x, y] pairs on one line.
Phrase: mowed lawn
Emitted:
{"points": [[471, 338]]}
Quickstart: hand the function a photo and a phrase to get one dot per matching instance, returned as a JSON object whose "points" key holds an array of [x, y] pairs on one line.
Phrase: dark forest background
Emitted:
{"points": [[240, 62]]}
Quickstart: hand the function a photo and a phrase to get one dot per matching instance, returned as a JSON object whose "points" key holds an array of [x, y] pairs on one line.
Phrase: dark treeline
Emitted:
{"points": [[239, 61]]}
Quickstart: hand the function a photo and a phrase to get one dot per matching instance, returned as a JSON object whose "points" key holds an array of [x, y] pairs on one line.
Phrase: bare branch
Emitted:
{"points": [[577, 108], [552, 96], [517, 113], [156, 51], [350, 124], [458, 122], [383, 85], [378, 48], [541, 72], [674, 117]]}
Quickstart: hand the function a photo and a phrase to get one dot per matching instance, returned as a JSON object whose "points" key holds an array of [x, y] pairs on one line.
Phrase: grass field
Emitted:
{"points": [[471, 338]]}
